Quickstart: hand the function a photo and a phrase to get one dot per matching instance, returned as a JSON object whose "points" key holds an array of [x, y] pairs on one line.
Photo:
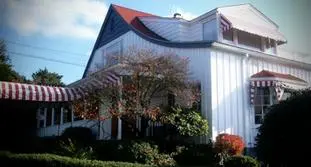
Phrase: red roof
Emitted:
{"points": [[130, 14], [265, 74], [131, 17]]}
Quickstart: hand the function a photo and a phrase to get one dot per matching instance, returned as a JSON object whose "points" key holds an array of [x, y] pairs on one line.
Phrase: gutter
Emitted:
{"points": [[258, 54]]}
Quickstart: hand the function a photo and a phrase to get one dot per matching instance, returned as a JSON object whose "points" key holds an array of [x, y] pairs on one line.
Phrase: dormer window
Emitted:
{"points": [[249, 40], [228, 35]]}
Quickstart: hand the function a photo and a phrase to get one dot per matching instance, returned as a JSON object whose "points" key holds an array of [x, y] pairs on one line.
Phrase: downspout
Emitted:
{"points": [[245, 99]]}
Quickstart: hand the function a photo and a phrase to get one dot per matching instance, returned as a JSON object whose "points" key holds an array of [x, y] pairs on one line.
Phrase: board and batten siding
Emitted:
{"points": [[230, 74], [224, 78], [199, 63]]}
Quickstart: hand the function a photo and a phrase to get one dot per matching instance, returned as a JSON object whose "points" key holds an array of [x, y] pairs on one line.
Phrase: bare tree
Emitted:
{"points": [[144, 73]]}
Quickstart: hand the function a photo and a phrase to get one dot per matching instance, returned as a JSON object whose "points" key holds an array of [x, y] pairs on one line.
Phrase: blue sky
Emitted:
{"points": [[44, 28]]}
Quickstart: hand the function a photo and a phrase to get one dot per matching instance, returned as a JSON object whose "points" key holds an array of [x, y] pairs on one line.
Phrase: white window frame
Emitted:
{"points": [[263, 106]]}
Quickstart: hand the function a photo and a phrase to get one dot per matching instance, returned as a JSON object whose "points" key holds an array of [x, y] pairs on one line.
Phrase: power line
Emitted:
{"points": [[46, 59], [43, 48]]}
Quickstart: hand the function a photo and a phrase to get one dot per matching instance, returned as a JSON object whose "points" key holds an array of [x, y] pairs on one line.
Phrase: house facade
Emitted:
{"points": [[233, 52]]}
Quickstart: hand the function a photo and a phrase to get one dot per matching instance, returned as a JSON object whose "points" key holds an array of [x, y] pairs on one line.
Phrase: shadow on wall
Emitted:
{"points": [[230, 115]]}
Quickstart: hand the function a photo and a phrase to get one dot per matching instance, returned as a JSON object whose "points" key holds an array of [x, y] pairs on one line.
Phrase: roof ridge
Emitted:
{"points": [[114, 5]]}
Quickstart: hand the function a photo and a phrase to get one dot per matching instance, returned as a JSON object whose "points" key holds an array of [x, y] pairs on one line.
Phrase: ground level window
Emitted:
{"points": [[264, 98]]}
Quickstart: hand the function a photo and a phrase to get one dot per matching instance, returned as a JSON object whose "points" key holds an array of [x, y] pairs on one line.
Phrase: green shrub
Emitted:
{"points": [[73, 149], [241, 161], [195, 155], [50, 160], [132, 151], [277, 145], [146, 153]]}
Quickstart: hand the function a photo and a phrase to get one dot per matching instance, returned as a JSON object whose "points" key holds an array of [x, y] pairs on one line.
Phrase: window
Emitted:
{"points": [[264, 98], [66, 115], [250, 40], [49, 117], [112, 52], [228, 35], [57, 113]]}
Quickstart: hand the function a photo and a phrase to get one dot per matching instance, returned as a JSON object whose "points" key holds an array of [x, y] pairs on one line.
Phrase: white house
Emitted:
{"points": [[233, 51]]}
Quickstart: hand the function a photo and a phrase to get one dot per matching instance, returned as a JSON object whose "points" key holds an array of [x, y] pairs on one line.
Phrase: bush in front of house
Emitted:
{"points": [[51, 160], [282, 135], [241, 161], [195, 155], [227, 145], [79, 134], [147, 153], [132, 151]]}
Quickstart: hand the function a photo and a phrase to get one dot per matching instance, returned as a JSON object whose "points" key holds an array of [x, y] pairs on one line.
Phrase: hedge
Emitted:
{"points": [[241, 161], [51, 160]]}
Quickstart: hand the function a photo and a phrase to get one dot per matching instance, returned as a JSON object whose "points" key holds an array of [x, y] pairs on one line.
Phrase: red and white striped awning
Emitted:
{"points": [[279, 81], [98, 80], [31, 92]]}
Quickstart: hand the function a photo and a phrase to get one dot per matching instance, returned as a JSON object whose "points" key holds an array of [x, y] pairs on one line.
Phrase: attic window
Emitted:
{"points": [[228, 35], [249, 40]]}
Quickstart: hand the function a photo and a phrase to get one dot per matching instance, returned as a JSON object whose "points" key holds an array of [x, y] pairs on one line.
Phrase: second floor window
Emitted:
{"points": [[112, 53], [249, 40]]}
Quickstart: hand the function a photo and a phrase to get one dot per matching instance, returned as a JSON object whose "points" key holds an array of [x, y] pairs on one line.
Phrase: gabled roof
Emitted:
{"points": [[270, 74], [246, 17]]}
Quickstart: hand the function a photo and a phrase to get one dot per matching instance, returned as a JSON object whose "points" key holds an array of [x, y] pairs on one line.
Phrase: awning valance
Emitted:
{"points": [[32, 92], [277, 80], [99, 80]]}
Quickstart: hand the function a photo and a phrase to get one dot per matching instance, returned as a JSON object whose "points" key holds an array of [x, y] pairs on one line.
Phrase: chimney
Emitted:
{"points": [[177, 15]]}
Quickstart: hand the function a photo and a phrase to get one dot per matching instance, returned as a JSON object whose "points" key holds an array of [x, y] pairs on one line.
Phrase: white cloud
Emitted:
{"points": [[184, 14], [70, 18]]}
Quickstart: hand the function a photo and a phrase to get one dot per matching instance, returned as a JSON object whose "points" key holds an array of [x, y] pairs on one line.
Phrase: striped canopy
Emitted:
{"points": [[278, 81], [31, 92]]}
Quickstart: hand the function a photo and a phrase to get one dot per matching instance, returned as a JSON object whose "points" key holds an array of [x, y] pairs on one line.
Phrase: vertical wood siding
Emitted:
{"points": [[224, 78], [230, 73]]}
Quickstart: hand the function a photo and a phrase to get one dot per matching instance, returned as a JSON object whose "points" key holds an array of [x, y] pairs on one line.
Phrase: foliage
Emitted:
{"points": [[6, 70], [229, 144], [187, 121], [148, 73], [132, 151], [195, 155], [50, 160], [79, 134], [44, 77], [146, 153], [75, 150], [283, 129], [239, 161]]}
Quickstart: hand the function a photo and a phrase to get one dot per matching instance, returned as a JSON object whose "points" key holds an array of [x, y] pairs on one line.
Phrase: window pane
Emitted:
{"points": [[250, 40], [266, 100], [57, 116], [228, 35], [49, 117], [258, 110], [258, 119]]}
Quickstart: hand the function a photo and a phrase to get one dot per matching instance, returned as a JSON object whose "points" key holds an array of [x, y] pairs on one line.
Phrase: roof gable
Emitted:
{"points": [[248, 13]]}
